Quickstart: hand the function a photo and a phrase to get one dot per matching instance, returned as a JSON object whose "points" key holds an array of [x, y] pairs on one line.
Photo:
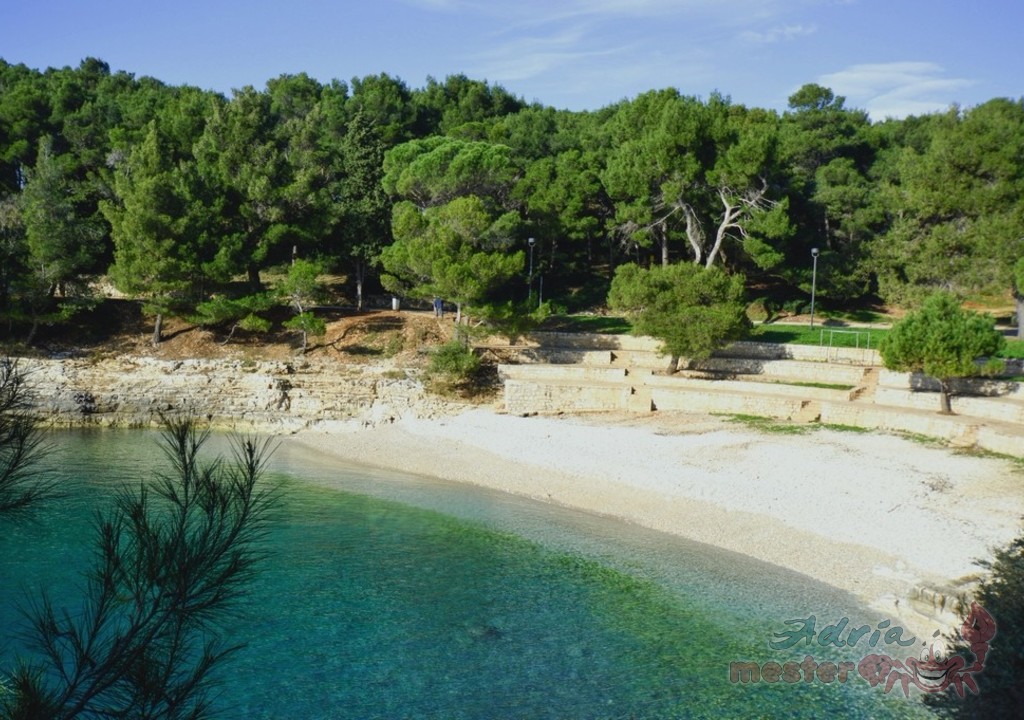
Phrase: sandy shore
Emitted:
{"points": [[873, 514]]}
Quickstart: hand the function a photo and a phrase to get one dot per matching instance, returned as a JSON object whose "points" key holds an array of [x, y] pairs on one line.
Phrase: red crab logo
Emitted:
{"points": [[932, 675]]}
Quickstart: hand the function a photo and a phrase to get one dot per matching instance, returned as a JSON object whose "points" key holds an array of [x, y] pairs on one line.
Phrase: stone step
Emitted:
{"points": [[562, 373], [640, 400], [762, 386], [991, 408], [802, 370], [696, 400], [810, 411]]}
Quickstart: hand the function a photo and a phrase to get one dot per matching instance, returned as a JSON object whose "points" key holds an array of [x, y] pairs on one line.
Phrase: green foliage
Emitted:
{"points": [[1001, 684], [806, 335], [457, 251], [1018, 277], [302, 286], [157, 231], [515, 319], [437, 170], [58, 244], [242, 313], [21, 445], [460, 101], [364, 226], [308, 324], [255, 324], [196, 189], [172, 558], [1013, 349], [821, 385], [941, 340], [692, 310], [769, 425], [602, 324], [455, 227], [944, 341], [246, 162], [958, 218], [301, 289], [835, 205], [386, 103], [453, 365]]}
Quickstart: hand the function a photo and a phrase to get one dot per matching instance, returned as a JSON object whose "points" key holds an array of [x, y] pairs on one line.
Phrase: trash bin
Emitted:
{"points": [[395, 303]]}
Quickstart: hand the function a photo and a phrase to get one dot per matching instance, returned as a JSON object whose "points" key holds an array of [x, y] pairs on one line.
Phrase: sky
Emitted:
{"points": [[891, 58]]}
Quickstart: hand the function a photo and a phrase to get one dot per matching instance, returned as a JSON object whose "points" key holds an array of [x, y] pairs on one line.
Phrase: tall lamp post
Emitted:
{"points": [[814, 280], [531, 242]]}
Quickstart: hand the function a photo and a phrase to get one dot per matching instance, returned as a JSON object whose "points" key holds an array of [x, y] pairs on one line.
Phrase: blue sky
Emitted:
{"points": [[891, 58]]}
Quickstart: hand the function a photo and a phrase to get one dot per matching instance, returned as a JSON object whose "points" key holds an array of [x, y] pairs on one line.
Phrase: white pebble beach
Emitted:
{"points": [[870, 513]]}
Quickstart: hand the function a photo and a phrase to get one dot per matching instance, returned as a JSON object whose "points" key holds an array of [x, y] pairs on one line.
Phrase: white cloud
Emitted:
{"points": [[595, 51], [778, 34], [528, 57], [543, 12], [896, 89], [442, 5]]}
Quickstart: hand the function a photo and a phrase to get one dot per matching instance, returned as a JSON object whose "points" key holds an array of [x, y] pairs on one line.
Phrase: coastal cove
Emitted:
{"points": [[741, 532], [898, 524], [396, 595]]}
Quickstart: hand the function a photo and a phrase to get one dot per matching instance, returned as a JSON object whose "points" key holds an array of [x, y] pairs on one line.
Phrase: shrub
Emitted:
{"points": [[453, 364], [1001, 685]]}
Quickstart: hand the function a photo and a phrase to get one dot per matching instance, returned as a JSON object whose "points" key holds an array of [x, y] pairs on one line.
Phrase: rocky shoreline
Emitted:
{"points": [[236, 394]]}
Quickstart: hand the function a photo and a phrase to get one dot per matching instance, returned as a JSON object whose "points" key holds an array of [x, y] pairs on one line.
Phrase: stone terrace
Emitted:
{"points": [[556, 372]]}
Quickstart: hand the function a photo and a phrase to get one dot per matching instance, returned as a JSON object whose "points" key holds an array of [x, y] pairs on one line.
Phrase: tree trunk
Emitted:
{"points": [[663, 232], [254, 278], [1020, 317], [32, 331], [458, 313], [694, 234], [360, 276], [945, 406], [730, 218], [673, 365], [158, 326]]}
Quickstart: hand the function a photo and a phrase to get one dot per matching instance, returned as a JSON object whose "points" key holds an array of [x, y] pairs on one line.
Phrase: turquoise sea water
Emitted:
{"points": [[389, 596]]}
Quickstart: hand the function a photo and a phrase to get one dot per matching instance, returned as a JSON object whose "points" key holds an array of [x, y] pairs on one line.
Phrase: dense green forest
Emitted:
{"points": [[190, 200]]}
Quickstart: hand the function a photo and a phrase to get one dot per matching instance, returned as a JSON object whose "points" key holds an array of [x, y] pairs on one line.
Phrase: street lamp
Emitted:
{"points": [[531, 242], [814, 280]]}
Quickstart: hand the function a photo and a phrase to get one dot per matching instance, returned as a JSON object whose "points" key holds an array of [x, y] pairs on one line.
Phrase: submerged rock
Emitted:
{"points": [[485, 632]]}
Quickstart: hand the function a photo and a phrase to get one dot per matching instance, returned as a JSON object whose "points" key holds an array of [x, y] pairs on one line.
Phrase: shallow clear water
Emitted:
{"points": [[390, 596]]}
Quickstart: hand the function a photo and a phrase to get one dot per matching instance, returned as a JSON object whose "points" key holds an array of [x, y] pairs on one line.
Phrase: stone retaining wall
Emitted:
{"points": [[563, 373], [979, 386], [800, 370], [990, 408], [956, 429], [694, 400], [527, 397], [811, 353], [801, 392]]}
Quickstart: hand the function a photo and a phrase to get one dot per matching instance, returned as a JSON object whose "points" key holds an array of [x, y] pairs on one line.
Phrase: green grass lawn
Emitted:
{"points": [[845, 337], [1014, 349], [771, 333], [806, 335], [603, 324]]}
